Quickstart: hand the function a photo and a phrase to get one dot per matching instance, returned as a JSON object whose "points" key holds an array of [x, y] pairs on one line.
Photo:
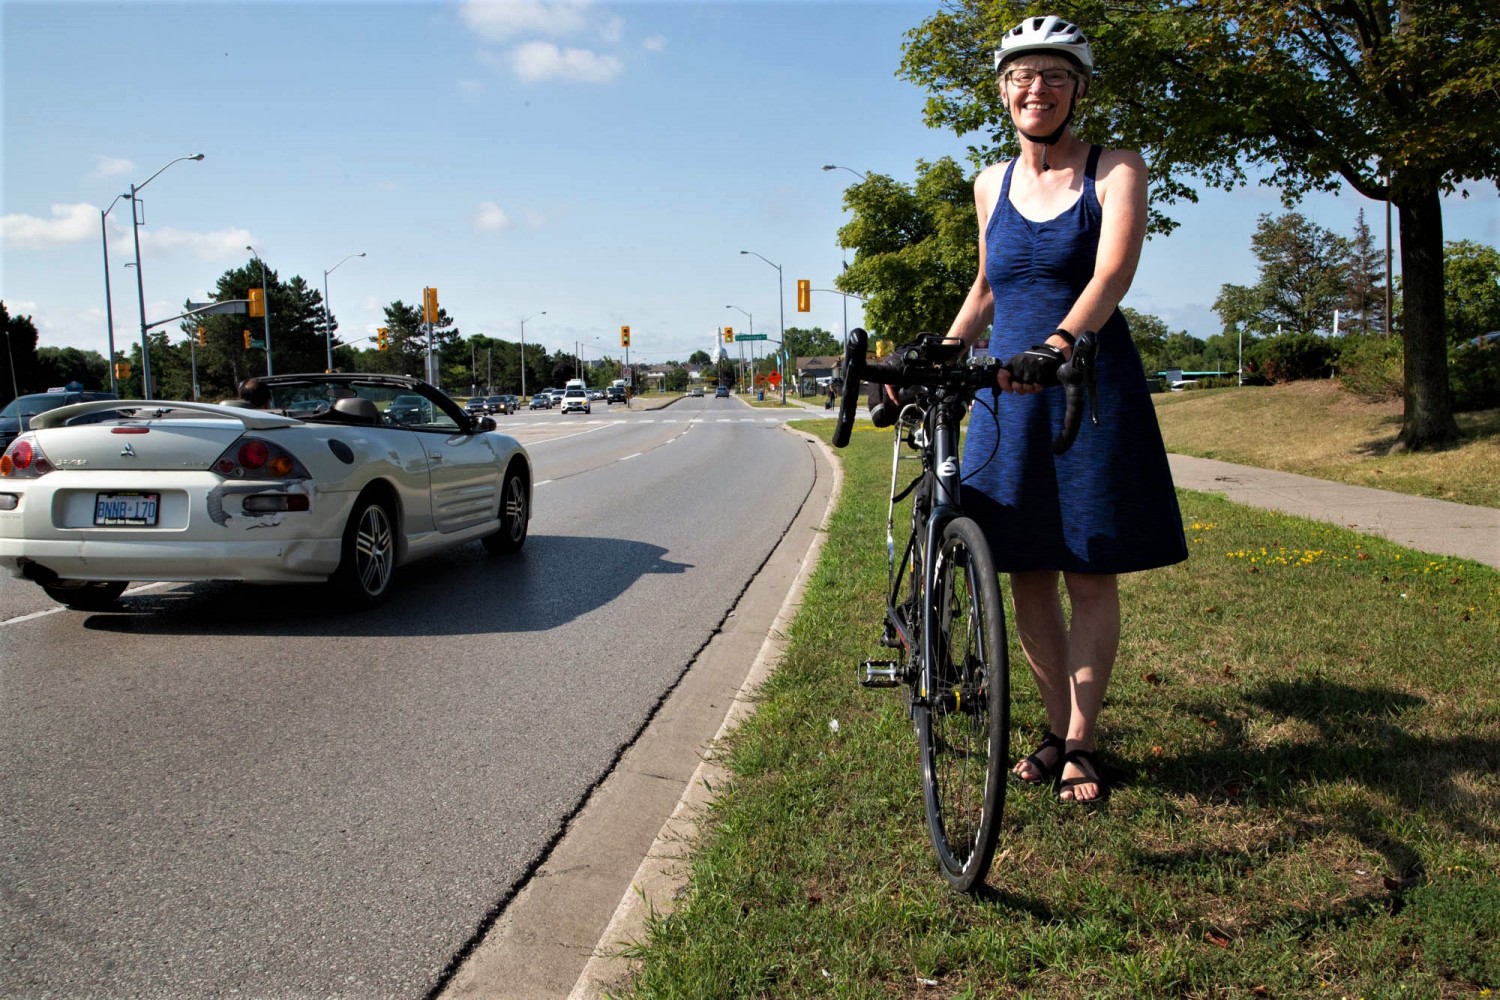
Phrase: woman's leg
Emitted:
{"points": [[1070, 659], [1044, 639], [1093, 642]]}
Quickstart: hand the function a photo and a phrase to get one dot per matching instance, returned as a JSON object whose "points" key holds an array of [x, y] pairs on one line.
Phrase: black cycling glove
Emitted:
{"points": [[1038, 365]]}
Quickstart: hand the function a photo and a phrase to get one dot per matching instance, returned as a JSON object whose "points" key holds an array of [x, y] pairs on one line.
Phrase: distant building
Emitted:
{"points": [[814, 374]]}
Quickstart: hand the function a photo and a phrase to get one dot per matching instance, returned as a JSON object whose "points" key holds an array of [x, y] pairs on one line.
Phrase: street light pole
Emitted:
{"points": [[523, 348], [109, 308], [266, 307], [327, 329], [140, 286], [862, 177], [781, 306]]}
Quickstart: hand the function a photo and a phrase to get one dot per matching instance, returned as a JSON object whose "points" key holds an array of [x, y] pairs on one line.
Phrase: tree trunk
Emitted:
{"points": [[1427, 423]]}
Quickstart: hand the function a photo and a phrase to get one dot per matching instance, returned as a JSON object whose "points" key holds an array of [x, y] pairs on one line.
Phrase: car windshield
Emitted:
{"points": [[36, 403], [315, 399]]}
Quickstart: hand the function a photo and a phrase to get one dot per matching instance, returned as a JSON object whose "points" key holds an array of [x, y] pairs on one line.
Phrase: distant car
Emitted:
{"points": [[696, 390], [476, 406], [557, 396], [575, 399], [541, 401], [408, 409], [180, 491], [614, 394], [498, 404], [595, 394], [721, 392], [16, 417], [512, 403]]}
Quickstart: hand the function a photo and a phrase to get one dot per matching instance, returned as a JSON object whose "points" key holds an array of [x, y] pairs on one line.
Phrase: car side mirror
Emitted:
{"points": [[483, 424]]}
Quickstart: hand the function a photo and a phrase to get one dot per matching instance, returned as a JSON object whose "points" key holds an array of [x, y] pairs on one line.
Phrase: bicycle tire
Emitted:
{"points": [[963, 722]]}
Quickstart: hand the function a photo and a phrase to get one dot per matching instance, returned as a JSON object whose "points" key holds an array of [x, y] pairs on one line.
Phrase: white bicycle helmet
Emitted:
{"points": [[1045, 34]]}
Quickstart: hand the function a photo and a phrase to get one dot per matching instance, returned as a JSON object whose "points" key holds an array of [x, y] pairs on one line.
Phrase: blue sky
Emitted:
{"points": [[604, 163]]}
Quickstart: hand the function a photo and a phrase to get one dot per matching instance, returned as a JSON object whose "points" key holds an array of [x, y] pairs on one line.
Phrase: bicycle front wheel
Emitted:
{"points": [[963, 722]]}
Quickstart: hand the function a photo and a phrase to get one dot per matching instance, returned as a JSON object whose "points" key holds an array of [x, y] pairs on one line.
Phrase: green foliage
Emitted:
{"points": [[1471, 290], [19, 372], [1294, 356], [915, 249], [61, 365], [810, 343], [676, 379], [1370, 366], [1475, 375], [1306, 272]]}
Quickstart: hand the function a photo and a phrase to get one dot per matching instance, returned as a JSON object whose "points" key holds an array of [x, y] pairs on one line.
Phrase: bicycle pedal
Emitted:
{"points": [[879, 673]]}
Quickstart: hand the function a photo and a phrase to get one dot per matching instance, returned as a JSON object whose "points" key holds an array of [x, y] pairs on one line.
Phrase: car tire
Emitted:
{"points": [[515, 515], [368, 563], [86, 595]]}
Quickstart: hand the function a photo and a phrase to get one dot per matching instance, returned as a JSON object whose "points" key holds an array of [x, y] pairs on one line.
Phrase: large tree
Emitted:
{"points": [[1396, 98], [19, 372], [1304, 278], [914, 248]]}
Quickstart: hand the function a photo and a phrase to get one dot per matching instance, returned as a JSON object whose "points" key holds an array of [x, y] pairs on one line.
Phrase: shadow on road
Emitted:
{"points": [[552, 581]]}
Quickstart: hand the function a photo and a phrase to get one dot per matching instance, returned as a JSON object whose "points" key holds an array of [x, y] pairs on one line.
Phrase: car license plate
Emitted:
{"points": [[137, 510]]}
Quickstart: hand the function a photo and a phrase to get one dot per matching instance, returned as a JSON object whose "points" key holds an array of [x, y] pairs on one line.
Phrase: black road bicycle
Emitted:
{"points": [[944, 614]]}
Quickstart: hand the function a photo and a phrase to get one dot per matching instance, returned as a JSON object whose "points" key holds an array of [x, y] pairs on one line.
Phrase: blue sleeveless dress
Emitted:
{"points": [[1108, 504]]}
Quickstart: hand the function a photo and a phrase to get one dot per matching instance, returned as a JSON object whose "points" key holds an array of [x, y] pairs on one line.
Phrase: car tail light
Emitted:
{"points": [[24, 460], [257, 458]]}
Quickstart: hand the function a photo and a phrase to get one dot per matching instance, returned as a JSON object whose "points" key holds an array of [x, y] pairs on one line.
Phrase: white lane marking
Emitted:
{"points": [[35, 614], [544, 482], [629, 457]]}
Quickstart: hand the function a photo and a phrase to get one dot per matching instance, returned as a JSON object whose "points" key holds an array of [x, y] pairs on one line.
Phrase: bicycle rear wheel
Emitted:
{"points": [[963, 723]]}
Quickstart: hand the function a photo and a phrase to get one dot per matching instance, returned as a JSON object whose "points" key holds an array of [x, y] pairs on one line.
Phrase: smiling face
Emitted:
{"points": [[1040, 107]]}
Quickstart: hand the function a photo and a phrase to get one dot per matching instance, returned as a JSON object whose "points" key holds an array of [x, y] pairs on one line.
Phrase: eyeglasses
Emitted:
{"points": [[1053, 78]]}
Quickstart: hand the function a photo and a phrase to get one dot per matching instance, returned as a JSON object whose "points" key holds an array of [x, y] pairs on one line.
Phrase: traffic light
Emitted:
{"points": [[624, 336], [257, 303], [122, 369], [202, 336], [247, 340], [429, 305], [383, 338], [729, 335], [804, 295]]}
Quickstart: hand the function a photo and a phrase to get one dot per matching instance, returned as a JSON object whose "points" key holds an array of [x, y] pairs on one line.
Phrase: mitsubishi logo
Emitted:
{"points": [[127, 451]]}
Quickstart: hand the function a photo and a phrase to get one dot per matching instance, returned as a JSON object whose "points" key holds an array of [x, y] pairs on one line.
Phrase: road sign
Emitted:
{"points": [[775, 378], [233, 306], [750, 336]]}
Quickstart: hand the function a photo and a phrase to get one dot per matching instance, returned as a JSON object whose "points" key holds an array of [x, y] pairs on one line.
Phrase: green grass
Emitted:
{"points": [[1314, 429], [1305, 723]]}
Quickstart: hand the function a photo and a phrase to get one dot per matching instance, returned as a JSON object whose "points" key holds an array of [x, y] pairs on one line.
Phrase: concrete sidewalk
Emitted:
{"points": [[1437, 526]]}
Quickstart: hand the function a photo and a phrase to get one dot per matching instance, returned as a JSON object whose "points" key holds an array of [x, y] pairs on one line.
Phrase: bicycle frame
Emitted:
{"points": [[930, 426]]}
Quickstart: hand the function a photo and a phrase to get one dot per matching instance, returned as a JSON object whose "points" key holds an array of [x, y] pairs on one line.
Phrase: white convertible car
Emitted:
{"points": [[341, 479]]}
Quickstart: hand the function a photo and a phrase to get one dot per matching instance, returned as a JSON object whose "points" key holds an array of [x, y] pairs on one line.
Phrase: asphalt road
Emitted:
{"points": [[229, 791]]}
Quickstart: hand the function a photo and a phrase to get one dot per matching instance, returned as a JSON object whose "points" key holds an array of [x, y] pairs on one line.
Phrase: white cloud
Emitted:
{"points": [[501, 20], [223, 244], [655, 43], [490, 218], [69, 224], [538, 61], [111, 166]]}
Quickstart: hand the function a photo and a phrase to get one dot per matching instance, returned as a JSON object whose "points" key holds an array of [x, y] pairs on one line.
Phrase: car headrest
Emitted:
{"points": [[357, 408]]}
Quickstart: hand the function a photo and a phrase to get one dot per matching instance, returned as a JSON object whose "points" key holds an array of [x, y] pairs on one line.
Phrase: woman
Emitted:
{"points": [[1060, 233]]}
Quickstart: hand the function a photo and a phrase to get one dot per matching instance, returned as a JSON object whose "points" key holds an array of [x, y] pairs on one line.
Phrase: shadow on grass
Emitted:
{"points": [[1361, 741]]}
